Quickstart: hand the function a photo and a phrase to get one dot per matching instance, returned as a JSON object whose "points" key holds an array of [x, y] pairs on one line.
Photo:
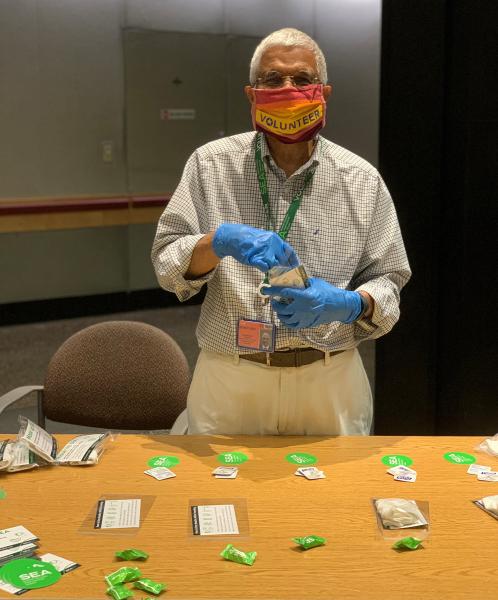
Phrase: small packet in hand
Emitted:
{"points": [[243, 558], [288, 277], [147, 585], [309, 541]]}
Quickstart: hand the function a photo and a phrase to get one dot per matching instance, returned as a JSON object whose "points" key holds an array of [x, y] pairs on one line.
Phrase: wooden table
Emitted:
{"points": [[459, 559]]}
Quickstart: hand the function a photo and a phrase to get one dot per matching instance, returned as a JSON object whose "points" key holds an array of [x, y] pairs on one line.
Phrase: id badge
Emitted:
{"points": [[256, 335]]}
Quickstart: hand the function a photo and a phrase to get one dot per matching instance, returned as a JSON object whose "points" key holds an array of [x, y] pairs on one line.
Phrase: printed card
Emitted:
{"points": [[214, 519], [15, 536], [118, 514]]}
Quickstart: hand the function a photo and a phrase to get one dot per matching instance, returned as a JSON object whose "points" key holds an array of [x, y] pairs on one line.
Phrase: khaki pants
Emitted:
{"points": [[231, 396]]}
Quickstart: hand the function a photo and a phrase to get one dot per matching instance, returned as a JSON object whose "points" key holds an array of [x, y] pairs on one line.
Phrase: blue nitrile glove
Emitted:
{"points": [[315, 305], [253, 247]]}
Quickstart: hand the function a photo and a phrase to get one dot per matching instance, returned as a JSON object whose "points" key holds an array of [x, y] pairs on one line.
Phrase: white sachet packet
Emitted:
{"points": [[488, 476], [310, 473], [398, 513]]}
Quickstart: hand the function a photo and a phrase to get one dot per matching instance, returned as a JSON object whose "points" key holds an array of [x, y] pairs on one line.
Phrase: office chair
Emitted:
{"points": [[116, 375]]}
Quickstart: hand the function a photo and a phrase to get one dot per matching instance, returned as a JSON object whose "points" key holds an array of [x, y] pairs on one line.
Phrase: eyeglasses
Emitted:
{"points": [[273, 79]]}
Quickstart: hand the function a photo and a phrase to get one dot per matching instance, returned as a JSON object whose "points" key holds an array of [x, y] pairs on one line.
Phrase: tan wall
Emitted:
{"points": [[63, 94]]}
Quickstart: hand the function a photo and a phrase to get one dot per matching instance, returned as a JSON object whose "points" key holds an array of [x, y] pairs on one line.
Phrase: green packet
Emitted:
{"points": [[147, 585], [119, 592], [407, 543], [132, 554], [310, 541], [123, 575], [243, 558]]}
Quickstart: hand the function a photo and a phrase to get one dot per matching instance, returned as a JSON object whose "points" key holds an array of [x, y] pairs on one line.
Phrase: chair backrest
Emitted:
{"points": [[117, 375]]}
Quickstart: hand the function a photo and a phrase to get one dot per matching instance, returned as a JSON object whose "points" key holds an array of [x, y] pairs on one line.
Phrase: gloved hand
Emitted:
{"points": [[315, 305], [253, 247]]}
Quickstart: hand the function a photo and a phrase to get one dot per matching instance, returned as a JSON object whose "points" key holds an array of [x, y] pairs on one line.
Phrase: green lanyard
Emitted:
{"points": [[290, 215]]}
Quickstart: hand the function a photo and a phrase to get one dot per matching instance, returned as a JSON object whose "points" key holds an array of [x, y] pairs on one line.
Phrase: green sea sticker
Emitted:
{"points": [[163, 461], [232, 458], [3, 494], [29, 573], [301, 458], [459, 458], [395, 460]]}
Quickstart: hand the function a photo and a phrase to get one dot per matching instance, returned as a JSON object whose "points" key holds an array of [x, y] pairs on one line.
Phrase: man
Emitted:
{"points": [[281, 197]]}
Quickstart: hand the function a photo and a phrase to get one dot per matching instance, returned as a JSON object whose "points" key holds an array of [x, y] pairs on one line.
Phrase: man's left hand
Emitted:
{"points": [[315, 305]]}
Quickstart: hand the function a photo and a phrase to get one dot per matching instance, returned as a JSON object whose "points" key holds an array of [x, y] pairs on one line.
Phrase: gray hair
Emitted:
{"points": [[287, 37]]}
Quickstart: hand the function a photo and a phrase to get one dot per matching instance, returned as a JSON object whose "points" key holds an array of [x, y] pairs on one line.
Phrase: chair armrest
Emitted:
{"points": [[180, 426], [16, 394]]}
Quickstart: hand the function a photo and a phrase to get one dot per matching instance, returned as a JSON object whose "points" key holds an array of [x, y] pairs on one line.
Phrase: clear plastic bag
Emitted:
{"points": [[399, 513], [36, 447], [489, 446], [295, 277], [6, 454], [41, 442], [489, 504], [84, 449], [23, 458]]}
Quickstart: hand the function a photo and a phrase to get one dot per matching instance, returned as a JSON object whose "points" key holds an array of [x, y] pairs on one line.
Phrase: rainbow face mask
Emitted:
{"points": [[289, 114]]}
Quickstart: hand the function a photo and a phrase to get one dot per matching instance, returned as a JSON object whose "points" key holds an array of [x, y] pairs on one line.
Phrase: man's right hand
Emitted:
{"points": [[253, 247]]}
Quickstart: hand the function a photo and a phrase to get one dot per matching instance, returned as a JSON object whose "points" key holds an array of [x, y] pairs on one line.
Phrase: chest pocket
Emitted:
{"points": [[330, 251]]}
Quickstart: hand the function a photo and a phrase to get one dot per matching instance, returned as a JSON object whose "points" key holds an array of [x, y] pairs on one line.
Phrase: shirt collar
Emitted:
{"points": [[314, 158]]}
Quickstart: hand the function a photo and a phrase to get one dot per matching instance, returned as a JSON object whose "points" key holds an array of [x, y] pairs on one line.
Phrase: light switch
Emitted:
{"points": [[107, 152]]}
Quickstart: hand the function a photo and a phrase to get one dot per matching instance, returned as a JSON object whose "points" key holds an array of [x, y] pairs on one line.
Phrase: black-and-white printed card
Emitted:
{"points": [[214, 519]]}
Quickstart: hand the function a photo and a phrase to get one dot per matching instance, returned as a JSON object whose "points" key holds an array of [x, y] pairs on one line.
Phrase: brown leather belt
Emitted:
{"points": [[298, 357]]}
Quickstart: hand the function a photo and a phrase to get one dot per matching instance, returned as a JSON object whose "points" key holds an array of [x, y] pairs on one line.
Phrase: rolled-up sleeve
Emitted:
{"points": [[177, 234], [383, 269]]}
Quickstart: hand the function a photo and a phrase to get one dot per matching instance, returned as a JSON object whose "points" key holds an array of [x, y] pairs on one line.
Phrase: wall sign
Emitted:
{"points": [[177, 114]]}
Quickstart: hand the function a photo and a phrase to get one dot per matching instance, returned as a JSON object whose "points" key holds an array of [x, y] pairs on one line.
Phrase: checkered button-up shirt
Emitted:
{"points": [[346, 232]]}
